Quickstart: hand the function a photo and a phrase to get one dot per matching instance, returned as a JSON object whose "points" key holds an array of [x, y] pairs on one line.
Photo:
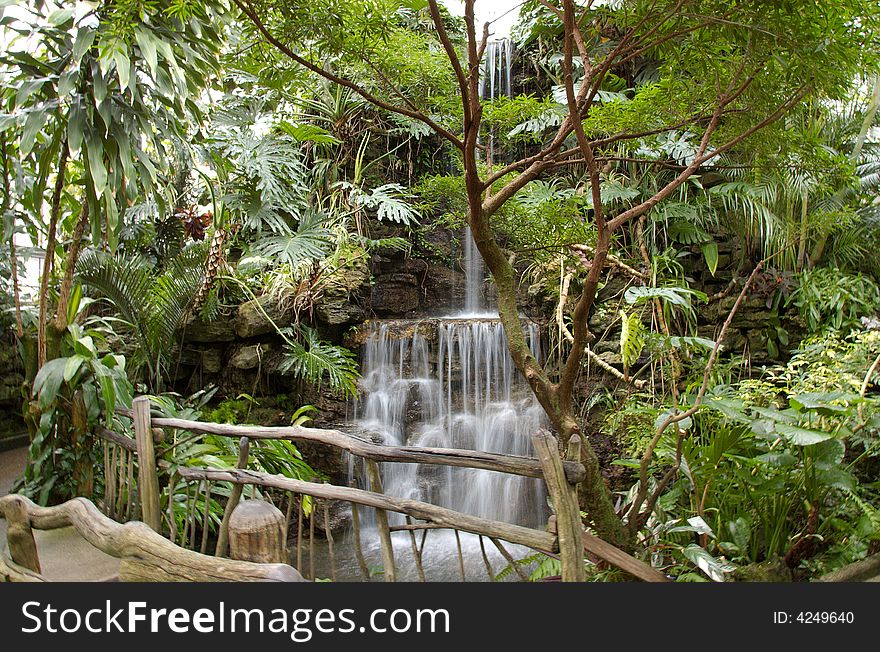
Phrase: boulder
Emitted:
{"points": [[212, 360], [219, 330], [249, 356], [339, 302], [251, 321], [338, 311]]}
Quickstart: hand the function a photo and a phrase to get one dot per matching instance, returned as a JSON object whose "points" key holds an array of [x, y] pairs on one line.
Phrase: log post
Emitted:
{"points": [[256, 533], [20, 537], [148, 474], [382, 523], [244, 447], [564, 499]]}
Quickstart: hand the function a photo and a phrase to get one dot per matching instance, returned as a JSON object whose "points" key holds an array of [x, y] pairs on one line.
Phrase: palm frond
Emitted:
{"points": [[123, 281], [172, 294]]}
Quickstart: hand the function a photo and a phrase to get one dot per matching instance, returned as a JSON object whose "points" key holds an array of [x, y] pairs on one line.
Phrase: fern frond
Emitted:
{"points": [[632, 338]]}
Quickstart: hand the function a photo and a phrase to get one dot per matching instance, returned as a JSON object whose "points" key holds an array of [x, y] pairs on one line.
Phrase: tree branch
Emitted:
{"points": [[252, 15]]}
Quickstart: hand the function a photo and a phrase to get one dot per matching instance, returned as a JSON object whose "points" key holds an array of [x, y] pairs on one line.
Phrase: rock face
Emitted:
{"points": [[249, 356], [343, 295], [395, 294], [339, 311], [219, 330], [251, 318]]}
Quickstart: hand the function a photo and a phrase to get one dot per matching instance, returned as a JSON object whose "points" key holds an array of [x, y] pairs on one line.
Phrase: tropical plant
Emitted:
{"points": [[74, 394], [830, 298], [93, 95], [182, 449], [310, 359], [153, 305]]}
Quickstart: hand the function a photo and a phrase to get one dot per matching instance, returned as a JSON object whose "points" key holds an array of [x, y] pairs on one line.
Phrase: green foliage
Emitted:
{"points": [[441, 195], [310, 242], [232, 410], [830, 298], [276, 457], [774, 463], [312, 360], [521, 118], [261, 174], [632, 423], [387, 200], [152, 304], [113, 87], [75, 393], [632, 338]]}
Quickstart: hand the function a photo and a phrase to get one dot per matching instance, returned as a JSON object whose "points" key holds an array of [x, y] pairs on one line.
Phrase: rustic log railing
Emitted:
{"points": [[564, 539], [145, 556]]}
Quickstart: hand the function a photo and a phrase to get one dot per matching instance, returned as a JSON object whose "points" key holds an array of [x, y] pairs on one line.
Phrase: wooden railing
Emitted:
{"points": [[564, 537], [144, 555]]}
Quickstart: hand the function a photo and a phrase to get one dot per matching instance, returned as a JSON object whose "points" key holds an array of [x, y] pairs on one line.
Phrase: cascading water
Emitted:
{"points": [[449, 382], [496, 80]]}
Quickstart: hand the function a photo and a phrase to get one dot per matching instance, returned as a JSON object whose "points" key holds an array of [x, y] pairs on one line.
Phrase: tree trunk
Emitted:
{"points": [[42, 340], [60, 323]]}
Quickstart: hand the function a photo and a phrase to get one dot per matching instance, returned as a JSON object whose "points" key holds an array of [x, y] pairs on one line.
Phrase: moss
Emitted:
{"points": [[771, 570]]}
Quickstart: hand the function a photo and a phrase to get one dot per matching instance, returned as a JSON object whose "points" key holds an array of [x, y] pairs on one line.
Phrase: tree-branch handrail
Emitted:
{"points": [[512, 464]]}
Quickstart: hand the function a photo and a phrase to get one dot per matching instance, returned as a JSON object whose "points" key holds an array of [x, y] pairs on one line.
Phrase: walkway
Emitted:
{"points": [[64, 555]]}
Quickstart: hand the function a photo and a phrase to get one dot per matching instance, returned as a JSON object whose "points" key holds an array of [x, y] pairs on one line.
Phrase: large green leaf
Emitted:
{"points": [[801, 436], [73, 365], [822, 402], [85, 38], [147, 43], [48, 381], [710, 253], [96, 169], [34, 122], [714, 568]]}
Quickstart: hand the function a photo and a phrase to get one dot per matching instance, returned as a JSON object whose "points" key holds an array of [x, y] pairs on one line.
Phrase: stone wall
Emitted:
{"points": [[241, 352]]}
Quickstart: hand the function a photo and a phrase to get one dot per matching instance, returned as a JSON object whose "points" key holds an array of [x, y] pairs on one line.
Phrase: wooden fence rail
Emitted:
{"points": [[513, 464], [441, 516], [561, 474]]}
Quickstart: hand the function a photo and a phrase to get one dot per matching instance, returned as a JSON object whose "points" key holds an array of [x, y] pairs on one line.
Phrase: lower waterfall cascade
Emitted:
{"points": [[450, 383]]}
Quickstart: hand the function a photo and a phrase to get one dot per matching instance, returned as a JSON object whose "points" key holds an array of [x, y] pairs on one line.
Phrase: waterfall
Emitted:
{"points": [[474, 275], [450, 383], [495, 73], [495, 81]]}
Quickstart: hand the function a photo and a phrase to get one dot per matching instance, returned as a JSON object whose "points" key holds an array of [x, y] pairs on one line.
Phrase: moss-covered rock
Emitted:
{"points": [[251, 318]]}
